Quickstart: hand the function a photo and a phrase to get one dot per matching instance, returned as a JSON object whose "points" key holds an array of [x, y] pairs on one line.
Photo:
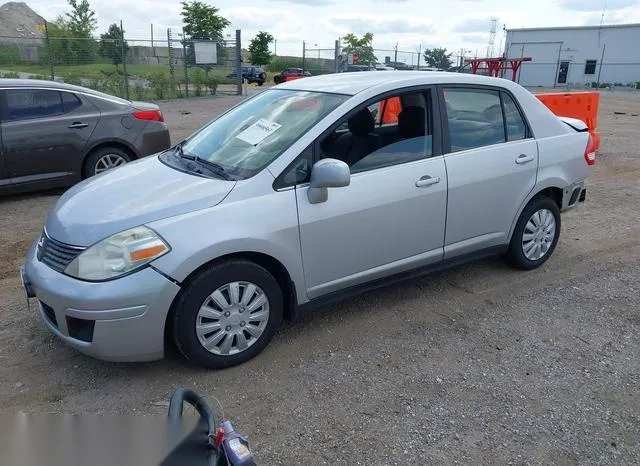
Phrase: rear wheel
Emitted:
{"points": [[227, 314], [103, 159], [536, 234]]}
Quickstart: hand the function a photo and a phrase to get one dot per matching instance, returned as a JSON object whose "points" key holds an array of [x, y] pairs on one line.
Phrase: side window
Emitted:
{"points": [[372, 138], [474, 118], [516, 127], [299, 171], [70, 102], [25, 104]]}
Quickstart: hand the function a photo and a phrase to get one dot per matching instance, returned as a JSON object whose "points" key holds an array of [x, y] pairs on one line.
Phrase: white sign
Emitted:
{"points": [[258, 131], [206, 53]]}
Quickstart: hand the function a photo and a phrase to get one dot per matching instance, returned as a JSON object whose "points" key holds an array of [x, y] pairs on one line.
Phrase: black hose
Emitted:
{"points": [[184, 394]]}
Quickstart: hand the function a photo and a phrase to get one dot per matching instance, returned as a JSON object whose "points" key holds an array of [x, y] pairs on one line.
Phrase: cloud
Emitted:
{"points": [[473, 25], [380, 26], [475, 38], [308, 2], [596, 5], [611, 17]]}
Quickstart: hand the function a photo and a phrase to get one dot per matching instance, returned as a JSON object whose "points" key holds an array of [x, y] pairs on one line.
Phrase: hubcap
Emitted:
{"points": [[232, 318], [538, 234], [109, 161]]}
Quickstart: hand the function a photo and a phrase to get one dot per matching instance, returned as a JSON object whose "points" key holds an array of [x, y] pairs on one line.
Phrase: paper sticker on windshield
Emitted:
{"points": [[258, 131]]}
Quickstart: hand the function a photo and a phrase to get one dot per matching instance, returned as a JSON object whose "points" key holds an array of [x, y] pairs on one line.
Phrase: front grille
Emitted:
{"points": [[49, 313], [55, 254]]}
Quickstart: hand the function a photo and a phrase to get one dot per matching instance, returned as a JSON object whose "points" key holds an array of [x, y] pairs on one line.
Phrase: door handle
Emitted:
{"points": [[78, 125], [524, 158], [427, 180]]}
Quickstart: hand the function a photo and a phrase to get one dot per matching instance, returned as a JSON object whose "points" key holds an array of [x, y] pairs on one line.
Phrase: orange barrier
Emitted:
{"points": [[580, 105]]}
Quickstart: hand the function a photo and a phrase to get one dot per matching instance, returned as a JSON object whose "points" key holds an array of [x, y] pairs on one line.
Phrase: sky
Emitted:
{"points": [[412, 24]]}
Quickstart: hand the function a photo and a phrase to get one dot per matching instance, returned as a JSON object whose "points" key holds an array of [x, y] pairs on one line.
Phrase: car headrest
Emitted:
{"points": [[411, 122], [362, 123]]}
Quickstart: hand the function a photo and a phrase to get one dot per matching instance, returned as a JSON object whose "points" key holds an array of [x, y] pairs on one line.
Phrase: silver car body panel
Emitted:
{"points": [[379, 225], [138, 192]]}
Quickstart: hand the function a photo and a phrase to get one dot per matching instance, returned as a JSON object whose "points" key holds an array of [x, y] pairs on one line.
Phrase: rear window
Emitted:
{"points": [[25, 104]]}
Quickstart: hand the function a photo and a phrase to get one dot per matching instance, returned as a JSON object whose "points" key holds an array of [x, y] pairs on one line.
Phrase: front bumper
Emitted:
{"points": [[118, 320]]}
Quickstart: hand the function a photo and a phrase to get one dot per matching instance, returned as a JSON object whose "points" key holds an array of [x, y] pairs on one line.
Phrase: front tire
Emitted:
{"points": [[536, 234], [227, 314]]}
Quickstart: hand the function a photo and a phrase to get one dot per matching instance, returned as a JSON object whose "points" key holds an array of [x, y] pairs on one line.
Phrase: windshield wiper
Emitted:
{"points": [[213, 167]]}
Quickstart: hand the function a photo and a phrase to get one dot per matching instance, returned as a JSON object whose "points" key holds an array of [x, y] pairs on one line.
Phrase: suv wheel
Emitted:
{"points": [[536, 234], [227, 314], [104, 159]]}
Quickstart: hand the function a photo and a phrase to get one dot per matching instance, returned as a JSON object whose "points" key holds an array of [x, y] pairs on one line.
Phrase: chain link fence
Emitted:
{"points": [[161, 68]]}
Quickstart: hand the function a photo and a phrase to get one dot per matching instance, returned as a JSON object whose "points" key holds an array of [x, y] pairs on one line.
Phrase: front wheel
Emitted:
{"points": [[227, 314], [536, 234]]}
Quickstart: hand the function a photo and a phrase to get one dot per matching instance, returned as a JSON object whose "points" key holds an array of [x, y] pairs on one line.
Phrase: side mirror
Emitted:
{"points": [[327, 173]]}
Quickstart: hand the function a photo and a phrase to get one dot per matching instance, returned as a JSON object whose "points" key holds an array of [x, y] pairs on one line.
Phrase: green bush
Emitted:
{"points": [[160, 83], [637, 84], [10, 75], [139, 90], [280, 63], [41, 77], [9, 55], [72, 78], [196, 80], [212, 82]]}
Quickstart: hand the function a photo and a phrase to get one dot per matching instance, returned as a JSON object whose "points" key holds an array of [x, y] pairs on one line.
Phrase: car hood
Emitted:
{"points": [[137, 193]]}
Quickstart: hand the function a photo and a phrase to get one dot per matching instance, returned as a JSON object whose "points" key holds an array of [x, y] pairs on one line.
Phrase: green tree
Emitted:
{"points": [[111, 44], [60, 42], [81, 22], [202, 21], [362, 47], [438, 58], [259, 48]]}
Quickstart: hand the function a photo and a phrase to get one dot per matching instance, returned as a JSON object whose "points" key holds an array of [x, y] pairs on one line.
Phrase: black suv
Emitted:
{"points": [[251, 74]]}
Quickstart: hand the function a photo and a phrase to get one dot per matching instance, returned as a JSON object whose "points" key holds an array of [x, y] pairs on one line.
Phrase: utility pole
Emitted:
{"points": [[275, 47], [395, 56], [419, 53]]}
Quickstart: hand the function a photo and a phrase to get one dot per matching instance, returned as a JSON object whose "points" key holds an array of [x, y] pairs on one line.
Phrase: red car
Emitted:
{"points": [[289, 73]]}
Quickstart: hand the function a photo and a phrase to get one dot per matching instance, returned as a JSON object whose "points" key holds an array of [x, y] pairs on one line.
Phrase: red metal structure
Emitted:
{"points": [[494, 65]]}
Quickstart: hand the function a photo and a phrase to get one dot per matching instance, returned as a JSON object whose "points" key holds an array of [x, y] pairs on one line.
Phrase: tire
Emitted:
{"points": [[260, 83], [99, 159], [531, 245], [197, 307]]}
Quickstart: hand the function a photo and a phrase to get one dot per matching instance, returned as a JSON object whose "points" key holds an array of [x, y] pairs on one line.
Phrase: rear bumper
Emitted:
{"points": [[154, 139], [573, 195]]}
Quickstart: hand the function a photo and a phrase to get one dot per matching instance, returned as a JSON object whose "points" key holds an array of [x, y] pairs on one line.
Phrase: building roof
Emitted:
{"points": [[354, 83], [570, 28]]}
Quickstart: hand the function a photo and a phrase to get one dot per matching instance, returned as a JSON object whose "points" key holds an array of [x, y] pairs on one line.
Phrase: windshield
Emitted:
{"points": [[248, 138]]}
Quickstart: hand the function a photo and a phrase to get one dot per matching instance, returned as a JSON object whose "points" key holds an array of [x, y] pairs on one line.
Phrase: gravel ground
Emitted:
{"points": [[479, 364]]}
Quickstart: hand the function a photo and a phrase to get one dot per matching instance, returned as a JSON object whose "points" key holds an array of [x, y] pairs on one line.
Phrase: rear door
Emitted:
{"points": [[492, 164], [4, 176], [45, 132]]}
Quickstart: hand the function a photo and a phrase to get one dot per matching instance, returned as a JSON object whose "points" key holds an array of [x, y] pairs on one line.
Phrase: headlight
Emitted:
{"points": [[118, 254]]}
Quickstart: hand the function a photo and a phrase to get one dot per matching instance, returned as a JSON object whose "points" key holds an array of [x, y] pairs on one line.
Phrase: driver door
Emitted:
{"points": [[390, 219]]}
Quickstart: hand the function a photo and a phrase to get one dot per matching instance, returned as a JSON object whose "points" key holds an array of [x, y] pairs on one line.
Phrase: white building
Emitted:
{"points": [[575, 56]]}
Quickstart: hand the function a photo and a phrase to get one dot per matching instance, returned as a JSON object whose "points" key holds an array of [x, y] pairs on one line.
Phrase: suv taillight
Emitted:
{"points": [[150, 115], [589, 152]]}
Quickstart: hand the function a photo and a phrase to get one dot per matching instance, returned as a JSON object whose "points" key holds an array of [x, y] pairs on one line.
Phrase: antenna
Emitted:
{"points": [[492, 36]]}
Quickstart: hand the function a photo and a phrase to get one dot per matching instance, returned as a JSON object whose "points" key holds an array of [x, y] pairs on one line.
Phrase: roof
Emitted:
{"points": [[572, 28], [353, 83], [38, 83]]}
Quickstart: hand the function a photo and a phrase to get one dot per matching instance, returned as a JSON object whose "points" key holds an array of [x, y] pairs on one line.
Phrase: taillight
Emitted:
{"points": [[589, 152], [150, 115]]}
